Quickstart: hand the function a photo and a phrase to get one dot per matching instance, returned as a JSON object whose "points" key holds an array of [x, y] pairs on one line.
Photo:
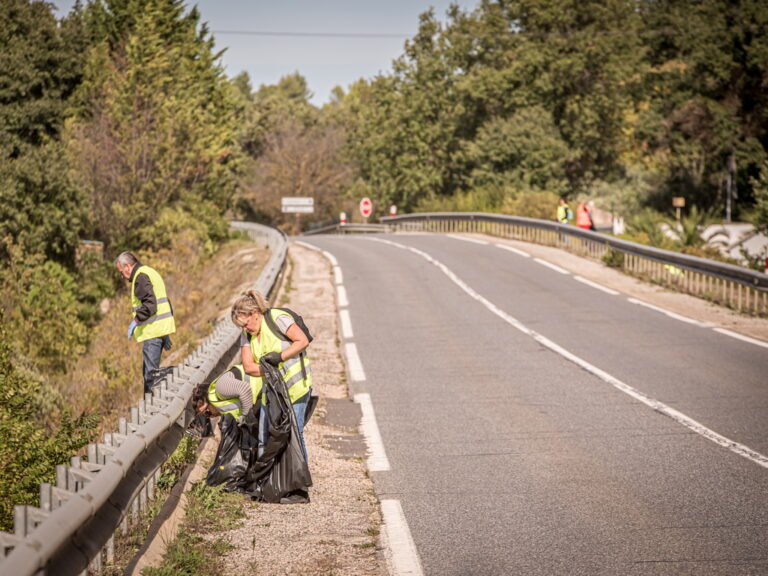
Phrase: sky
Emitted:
{"points": [[315, 38]]}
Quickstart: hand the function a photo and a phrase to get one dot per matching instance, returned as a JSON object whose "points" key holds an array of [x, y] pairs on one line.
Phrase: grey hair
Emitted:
{"points": [[126, 258], [247, 303]]}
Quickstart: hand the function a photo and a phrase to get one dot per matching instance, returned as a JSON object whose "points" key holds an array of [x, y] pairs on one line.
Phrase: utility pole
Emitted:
{"points": [[730, 186]]}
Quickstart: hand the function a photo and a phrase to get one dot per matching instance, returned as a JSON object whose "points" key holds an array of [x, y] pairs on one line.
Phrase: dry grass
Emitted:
{"points": [[108, 378]]}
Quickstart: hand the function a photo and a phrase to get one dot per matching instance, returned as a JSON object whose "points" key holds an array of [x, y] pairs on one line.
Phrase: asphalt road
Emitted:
{"points": [[497, 386]]}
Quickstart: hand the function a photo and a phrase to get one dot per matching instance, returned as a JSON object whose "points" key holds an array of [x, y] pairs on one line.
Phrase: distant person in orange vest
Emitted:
{"points": [[583, 217]]}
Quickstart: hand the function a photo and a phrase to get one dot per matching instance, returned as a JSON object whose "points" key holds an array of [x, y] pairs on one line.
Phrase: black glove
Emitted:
{"points": [[272, 358]]}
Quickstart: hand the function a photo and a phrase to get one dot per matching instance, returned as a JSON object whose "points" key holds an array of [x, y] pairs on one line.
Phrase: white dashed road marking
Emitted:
{"points": [[404, 560], [596, 285], [551, 266], [679, 417]]}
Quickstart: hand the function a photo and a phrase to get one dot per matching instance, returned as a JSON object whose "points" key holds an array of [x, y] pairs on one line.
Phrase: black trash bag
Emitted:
{"points": [[159, 373], [201, 425], [237, 449], [282, 468]]}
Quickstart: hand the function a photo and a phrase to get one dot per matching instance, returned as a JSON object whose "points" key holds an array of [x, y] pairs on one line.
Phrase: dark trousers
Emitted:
{"points": [[151, 350]]}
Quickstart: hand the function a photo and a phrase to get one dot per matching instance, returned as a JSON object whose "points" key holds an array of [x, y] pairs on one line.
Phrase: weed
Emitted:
{"points": [[183, 456], [209, 510], [613, 258]]}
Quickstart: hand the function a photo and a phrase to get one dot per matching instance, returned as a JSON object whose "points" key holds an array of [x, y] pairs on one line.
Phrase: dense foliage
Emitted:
{"points": [[629, 103], [154, 137], [118, 130], [28, 452]]}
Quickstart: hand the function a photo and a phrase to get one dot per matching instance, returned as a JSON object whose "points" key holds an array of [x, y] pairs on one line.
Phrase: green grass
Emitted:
{"points": [[196, 549]]}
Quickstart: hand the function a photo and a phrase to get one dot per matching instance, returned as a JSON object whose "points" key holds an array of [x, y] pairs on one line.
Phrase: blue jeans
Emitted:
{"points": [[299, 409], [151, 350]]}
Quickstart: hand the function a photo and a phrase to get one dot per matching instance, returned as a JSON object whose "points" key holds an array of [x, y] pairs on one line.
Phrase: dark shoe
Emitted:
{"points": [[297, 497]]}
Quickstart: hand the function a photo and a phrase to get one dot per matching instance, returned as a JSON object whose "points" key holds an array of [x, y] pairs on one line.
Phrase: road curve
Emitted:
{"points": [[537, 424]]}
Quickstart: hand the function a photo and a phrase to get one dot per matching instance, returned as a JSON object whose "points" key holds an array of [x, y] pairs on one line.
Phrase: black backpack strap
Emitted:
{"points": [[275, 330], [273, 325]]}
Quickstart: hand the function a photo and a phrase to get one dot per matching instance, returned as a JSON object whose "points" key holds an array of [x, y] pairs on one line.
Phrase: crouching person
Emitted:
{"points": [[234, 392], [231, 396]]}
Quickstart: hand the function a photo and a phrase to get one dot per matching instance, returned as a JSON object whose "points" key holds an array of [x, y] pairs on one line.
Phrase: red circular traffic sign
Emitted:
{"points": [[366, 207]]}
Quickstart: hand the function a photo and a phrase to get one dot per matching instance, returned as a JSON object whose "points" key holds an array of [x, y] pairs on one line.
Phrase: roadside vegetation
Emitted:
{"points": [[196, 548], [120, 131]]}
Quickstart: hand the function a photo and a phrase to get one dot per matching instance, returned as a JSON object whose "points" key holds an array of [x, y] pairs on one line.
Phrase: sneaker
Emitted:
{"points": [[297, 497]]}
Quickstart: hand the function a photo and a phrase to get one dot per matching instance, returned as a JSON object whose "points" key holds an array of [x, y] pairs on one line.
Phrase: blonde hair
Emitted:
{"points": [[246, 304]]}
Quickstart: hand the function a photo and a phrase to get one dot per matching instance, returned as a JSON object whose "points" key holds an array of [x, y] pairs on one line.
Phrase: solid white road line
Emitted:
{"points": [[402, 559], [670, 314], [377, 457], [596, 285], [679, 417], [331, 258], [400, 551], [337, 275], [341, 295], [515, 250], [346, 324], [356, 371], [742, 337], [310, 246], [552, 266], [473, 240]]}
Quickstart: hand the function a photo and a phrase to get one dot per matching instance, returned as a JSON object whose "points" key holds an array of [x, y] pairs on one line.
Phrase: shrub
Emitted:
{"points": [[613, 258], [28, 452]]}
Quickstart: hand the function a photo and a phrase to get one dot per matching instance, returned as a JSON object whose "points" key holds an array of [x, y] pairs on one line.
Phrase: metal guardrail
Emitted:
{"points": [[738, 288], [349, 229], [73, 529]]}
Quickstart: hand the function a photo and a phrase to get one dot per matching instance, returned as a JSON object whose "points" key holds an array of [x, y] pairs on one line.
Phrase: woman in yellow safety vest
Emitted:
{"points": [[233, 392], [258, 342]]}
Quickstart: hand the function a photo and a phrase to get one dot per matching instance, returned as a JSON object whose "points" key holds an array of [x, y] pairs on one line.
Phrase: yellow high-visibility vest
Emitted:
{"points": [[291, 369], [233, 405], [162, 322]]}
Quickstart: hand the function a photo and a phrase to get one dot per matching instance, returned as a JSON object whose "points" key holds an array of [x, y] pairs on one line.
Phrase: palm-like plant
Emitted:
{"points": [[648, 227], [689, 232]]}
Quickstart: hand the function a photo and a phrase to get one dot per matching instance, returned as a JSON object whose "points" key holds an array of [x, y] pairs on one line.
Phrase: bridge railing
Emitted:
{"points": [[733, 286], [96, 497], [340, 228]]}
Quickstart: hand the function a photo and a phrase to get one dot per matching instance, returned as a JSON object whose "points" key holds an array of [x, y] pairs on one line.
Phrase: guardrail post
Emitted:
{"points": [[20, 520]]}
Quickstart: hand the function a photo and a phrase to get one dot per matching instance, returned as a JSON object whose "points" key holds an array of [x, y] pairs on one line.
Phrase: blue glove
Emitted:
{"points": [[131, 328]]}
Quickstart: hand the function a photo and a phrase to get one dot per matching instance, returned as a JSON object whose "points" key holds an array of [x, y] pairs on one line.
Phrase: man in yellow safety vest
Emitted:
{"points": [[153, 321]]}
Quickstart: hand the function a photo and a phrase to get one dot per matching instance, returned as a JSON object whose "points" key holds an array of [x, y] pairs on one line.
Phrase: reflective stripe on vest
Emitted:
{"points": [[291, 370], [233, 405], [162, 322]]}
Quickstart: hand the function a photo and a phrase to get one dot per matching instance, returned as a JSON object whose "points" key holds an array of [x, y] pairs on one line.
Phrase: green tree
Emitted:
{"points": [[560, 70], [295, 150], [29, 452], [760, 217], [156, 129], [708, 113], [524, 152], [582, 62], [406, 134], [39, 69]]}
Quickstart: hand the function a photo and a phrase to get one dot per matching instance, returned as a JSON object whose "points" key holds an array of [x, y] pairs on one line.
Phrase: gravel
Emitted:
{"points": [[337, 531]]}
